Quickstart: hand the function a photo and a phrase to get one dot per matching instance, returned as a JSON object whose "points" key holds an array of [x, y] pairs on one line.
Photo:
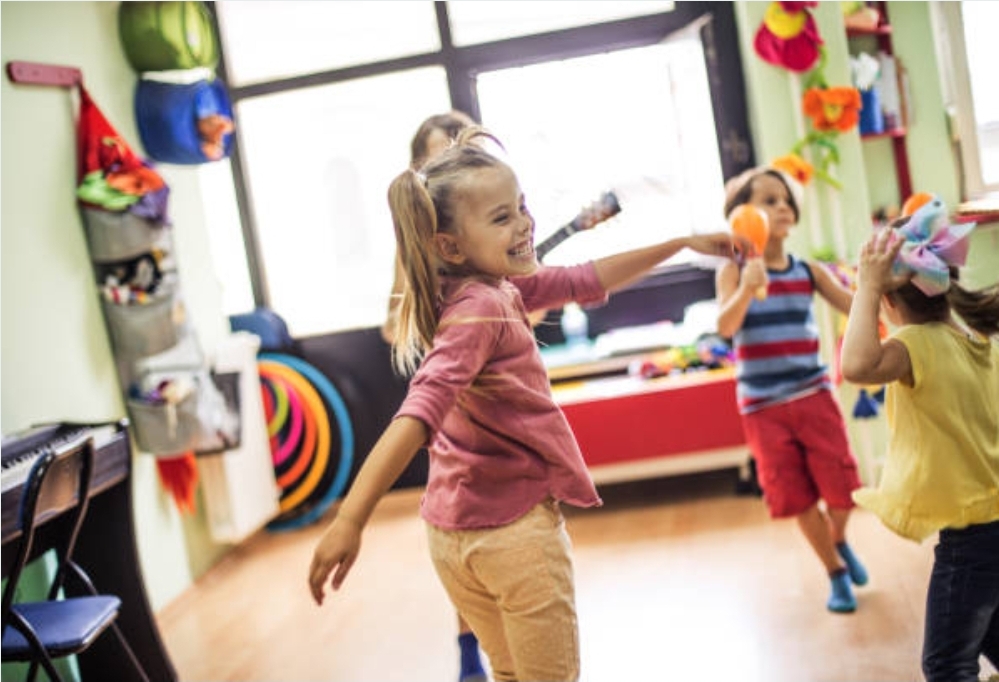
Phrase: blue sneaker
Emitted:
{"points": [[858, 574], [841, 599]]}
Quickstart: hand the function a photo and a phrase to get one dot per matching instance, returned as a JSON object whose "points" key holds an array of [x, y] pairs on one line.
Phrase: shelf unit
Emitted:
{"points": [[882, 36]]}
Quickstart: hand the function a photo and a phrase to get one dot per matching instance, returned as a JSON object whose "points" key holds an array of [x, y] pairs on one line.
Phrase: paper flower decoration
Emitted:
{"points": [[832, 109], [795, 166], [788, 36]]}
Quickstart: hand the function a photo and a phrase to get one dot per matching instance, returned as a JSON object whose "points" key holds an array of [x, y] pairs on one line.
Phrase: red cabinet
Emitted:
{"points": [[630, 428]]}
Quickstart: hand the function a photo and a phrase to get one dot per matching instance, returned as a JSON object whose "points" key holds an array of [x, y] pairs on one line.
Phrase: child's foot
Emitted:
{"points": [[841, 599], [858, 574], [471, 664]]}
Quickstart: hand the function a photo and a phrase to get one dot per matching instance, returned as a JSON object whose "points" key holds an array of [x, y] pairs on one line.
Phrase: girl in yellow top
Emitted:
{"points": [[942, 406]]}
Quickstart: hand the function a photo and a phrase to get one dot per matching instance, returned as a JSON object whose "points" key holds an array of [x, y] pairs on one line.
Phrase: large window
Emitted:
{"points": [[970, 51], [629, 96]]}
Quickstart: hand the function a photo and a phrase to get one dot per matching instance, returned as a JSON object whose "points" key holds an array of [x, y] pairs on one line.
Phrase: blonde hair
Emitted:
{"points": [[423, 203]]}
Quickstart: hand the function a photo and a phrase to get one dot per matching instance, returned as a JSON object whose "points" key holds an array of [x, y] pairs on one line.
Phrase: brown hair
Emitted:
{"points": [[978, 308], [450, 123], [739, 189], [423, 203]]}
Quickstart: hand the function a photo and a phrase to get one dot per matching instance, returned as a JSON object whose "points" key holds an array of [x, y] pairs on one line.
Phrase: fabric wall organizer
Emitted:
{"points": [[177, 406]]}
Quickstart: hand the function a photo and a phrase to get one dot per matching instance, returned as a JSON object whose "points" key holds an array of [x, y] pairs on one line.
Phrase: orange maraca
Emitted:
{"points": [[750, 222]]}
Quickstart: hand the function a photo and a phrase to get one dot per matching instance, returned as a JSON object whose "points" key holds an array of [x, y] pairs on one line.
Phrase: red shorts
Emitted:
{"points": [[802, 454]]}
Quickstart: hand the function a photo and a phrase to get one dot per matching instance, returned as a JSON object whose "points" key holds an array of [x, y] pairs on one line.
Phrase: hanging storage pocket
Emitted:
{"points": [[164, 36], [200, 421], [120, 235], [142, 329], [184, 123]]}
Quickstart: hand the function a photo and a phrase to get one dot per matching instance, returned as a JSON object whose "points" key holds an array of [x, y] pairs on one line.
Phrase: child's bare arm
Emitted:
{"points": [[831, 289], [735, 290], [340, 544], [865, 359], [621, 269]]}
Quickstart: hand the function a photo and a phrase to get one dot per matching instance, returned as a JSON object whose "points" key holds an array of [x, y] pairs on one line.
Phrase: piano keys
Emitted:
{"points": [[106, 547]]}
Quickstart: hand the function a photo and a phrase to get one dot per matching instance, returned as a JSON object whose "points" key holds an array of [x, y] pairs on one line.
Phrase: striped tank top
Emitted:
{"points": [[777, 348]]}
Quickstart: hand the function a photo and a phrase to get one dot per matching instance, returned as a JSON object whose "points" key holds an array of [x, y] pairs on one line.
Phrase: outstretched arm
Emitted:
{"points": [[830, 288], [865, 359], [340, 544], [620, 270]]}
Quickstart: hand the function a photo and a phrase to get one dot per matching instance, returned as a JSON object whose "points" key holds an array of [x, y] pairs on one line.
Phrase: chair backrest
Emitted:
{"points": [[59, 482]]}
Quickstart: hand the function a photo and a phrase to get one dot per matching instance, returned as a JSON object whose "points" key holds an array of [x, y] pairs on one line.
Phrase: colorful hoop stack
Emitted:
{"points": [[305, 415]]}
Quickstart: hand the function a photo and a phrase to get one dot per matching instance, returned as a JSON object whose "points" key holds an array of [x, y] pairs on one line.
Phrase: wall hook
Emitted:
{"points": [[44, 74]]}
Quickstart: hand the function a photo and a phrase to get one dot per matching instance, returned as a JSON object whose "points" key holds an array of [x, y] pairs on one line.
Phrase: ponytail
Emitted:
{"points": [[415, 222], [979, 309]]}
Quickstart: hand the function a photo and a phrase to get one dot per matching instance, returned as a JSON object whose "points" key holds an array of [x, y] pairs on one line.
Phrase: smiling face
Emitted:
{"points": [[494, 231], [772, 196]]}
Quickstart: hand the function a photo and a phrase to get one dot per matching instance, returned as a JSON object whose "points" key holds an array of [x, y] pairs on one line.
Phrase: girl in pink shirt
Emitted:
{"points": [[502, 456]]}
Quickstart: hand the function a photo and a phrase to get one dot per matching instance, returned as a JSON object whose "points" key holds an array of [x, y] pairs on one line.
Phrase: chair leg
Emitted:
{"points": [[131, 654], [49, 667]]}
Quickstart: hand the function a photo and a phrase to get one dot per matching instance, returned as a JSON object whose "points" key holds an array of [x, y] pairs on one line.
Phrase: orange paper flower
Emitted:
{"points": [[836, 109], [795, 166]]}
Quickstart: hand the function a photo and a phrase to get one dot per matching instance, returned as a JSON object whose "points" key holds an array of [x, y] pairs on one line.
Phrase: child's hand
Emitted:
{"points": [[754, 275], [718, 244], [876, 259], [338, 548]]}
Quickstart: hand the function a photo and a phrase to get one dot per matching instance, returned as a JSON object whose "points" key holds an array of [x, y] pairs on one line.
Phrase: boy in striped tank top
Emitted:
{"points": [[791, 419]]}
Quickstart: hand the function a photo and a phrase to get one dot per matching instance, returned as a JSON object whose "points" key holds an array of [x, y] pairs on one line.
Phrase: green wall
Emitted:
{"points": [[56, 360]]}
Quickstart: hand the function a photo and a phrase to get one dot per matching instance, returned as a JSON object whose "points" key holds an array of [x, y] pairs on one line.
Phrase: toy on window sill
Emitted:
{"points": [[710, 352]]}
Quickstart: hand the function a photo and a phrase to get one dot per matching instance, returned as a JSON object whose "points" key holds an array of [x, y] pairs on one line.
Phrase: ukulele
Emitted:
{"points": [[607, 206]]}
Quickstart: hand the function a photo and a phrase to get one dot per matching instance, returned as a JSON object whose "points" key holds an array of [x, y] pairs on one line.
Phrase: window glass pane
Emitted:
{"points": [[480, 21], [980, 22], [225, 235], [638, 122], [271, 40], [319, 162]]}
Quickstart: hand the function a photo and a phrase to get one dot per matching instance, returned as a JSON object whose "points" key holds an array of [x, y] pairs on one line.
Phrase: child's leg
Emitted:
{"points": [[838, 519], [471, 664], [815, 526], [514, 585], [833, 468], [962, 603]]}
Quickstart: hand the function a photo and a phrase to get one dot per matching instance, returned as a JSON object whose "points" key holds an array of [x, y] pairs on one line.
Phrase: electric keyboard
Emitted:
{"points": [[20, 451], [106, 547]]}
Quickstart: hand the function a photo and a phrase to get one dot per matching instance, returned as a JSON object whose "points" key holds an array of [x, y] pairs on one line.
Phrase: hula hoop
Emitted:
{"points": [[336, 404], [306, 451], [291, 441], [280, 410], [313, 467]]}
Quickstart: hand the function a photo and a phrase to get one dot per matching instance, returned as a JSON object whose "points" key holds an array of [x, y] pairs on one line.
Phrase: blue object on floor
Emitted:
{"points": [[841, 599]]}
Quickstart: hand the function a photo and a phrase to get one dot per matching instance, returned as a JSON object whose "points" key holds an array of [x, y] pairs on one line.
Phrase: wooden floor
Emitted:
{"points": [[677, 579]]}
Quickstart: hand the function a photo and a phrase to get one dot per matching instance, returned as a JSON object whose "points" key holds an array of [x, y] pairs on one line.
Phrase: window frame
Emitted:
{"points": [[462, 64], [956, 81]]}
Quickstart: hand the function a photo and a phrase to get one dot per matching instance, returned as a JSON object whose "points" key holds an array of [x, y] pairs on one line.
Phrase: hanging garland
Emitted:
{"points": [[789, 38]]}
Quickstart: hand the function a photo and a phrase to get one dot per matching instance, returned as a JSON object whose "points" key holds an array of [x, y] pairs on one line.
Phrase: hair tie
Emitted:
{"points": [[421, 177], [932, 245]]}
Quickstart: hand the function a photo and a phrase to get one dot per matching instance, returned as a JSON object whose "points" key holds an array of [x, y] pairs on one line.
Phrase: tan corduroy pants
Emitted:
{"points": [[514, 586]]}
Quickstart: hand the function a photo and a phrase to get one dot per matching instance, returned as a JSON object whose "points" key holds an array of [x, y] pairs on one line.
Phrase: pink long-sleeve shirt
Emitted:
{"points": [[499, 443]]}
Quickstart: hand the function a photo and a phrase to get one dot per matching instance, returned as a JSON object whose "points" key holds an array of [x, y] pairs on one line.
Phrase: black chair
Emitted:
{"points": [[38, 632]]}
